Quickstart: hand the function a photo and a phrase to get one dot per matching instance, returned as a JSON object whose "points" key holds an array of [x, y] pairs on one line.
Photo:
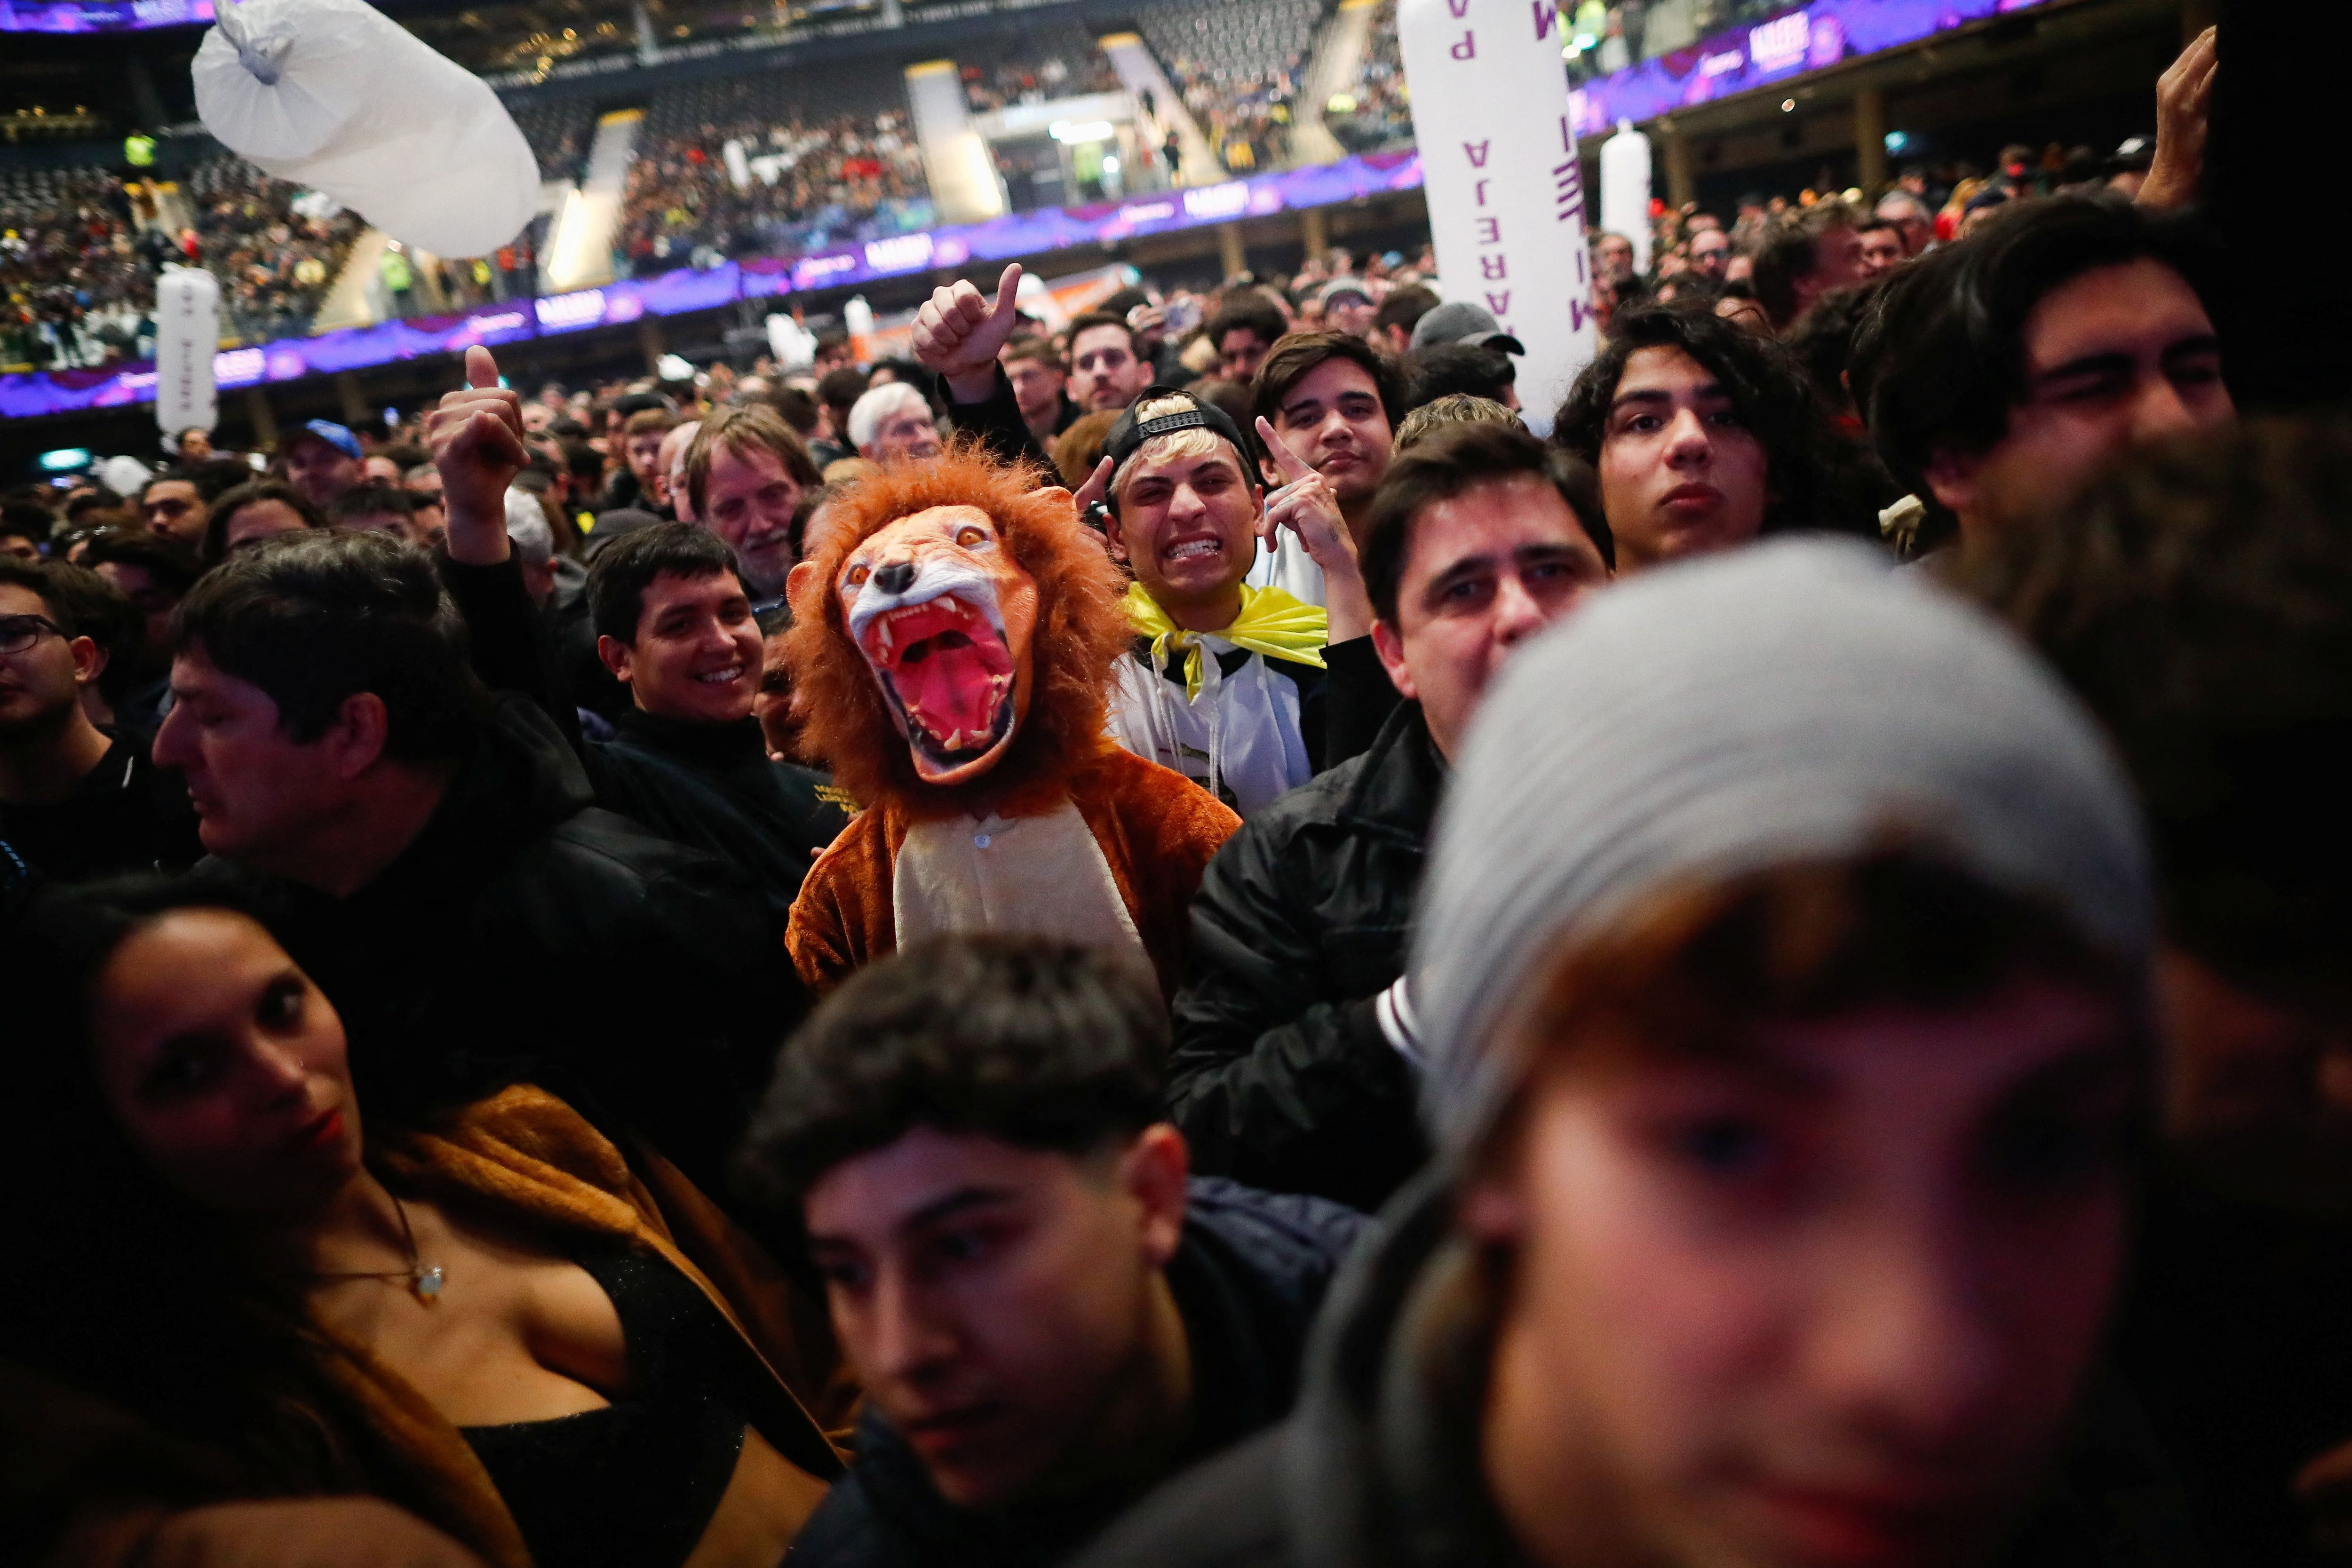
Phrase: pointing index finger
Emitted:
{"points": [[1292, 466]]}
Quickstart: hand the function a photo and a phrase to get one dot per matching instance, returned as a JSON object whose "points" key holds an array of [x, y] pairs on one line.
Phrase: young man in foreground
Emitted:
{"points": [[1046, 1316], [1786, 1034]]}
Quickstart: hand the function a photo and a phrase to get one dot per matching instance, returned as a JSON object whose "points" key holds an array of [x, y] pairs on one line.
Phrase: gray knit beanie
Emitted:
{"points": [[1793, 700]]}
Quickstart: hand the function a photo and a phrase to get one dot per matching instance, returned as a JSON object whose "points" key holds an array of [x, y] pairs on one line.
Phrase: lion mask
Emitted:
{"points": [[954, 632]]}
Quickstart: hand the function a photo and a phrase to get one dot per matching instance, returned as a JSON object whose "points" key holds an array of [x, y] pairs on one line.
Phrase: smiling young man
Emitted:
{"points": [[1786, 1031], [1705, 437], [1047, 1317], [1332, 401], [675, 625], [745, 476], [1228, 684], [2004, 371], [1291, 1068]]}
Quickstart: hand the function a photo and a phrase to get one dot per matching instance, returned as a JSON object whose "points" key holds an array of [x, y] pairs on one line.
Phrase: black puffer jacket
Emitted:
{"points": [[527, 932], [1248, 1276], [1281, 1075], [1379, 1466]]}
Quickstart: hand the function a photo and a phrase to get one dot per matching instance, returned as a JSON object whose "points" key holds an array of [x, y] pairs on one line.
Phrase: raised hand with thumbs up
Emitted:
{"points": [[959, 331], [476, 435]]}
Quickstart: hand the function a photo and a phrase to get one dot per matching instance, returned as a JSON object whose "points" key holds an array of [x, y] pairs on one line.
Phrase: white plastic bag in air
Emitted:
{"points": [[187, 335], [335, 95]]}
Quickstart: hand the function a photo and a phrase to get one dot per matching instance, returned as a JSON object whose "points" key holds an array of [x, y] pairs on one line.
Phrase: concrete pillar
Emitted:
{"points": [[1312, 234], [355, 403], [264, 418], [1870, 137], [1228, 248], [1681, 188]]}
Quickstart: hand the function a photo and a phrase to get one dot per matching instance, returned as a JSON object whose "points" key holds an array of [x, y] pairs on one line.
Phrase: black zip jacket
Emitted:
{"points": [[1281, 1076], [715, 787]]}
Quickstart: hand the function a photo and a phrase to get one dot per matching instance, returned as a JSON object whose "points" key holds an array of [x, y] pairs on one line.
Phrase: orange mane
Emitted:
{"points": [[1081, 631]]}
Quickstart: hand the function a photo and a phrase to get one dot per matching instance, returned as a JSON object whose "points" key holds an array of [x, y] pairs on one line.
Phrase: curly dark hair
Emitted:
{"points": [[1818, 477]]}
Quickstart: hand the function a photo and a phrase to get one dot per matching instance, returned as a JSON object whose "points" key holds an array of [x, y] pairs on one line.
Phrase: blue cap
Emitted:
{"points": [[335, 435]]}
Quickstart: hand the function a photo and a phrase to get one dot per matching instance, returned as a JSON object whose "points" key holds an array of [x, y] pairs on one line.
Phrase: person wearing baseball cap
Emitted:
{"points": [[1463, 321], [321, 460], [1227, 682], [1348, 306]]}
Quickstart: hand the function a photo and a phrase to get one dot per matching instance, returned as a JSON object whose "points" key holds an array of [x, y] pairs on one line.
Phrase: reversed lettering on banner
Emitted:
{"points": [[1480, 83]]}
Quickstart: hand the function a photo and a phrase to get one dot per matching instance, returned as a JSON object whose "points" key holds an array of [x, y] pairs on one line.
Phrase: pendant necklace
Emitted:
{"points": [[424, 1279]]}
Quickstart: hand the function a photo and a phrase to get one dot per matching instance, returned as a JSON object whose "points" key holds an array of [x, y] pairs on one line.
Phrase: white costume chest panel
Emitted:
{"points": [[1040, 876]]}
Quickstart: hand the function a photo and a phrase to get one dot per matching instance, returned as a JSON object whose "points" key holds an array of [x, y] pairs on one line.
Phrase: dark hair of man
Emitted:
{"points": [[2198, 599], [317, 617], [839, 390], [1473, 369], [1292, 358], [797, 409], [1940, 359], [1791, 252], [1870, 223], [1231, 398], [38, 577], [173, 566], [95, 500], [1040, 1044], [739, 430], [647, 420], [583, 463], [26, 521], [1404, 307], [1451, 463], [1033, 348], [404, 456], [631, 404], [1094, 319], [1816, 476], [102, 612], [231, 502], [622, 571], [370, 501], [1454, 408], [217, 476], [1824, 343], [1250, 312]]}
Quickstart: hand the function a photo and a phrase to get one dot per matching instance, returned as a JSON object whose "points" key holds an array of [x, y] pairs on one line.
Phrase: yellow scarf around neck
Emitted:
{"points": [[1272, 622]]}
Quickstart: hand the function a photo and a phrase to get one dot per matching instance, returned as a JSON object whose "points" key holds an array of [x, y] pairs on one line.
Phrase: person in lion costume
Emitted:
{"points": [[954, 639]]}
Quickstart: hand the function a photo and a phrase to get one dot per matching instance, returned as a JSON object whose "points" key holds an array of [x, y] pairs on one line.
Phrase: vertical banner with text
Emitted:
{"points": [[1499, 169]]}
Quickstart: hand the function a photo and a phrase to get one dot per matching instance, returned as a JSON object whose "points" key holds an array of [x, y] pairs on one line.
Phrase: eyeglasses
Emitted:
{"points": [[18, 633]]}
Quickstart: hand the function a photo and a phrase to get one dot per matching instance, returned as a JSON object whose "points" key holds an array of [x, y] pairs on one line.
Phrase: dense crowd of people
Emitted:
{"points": [[1135, 945], [80, 263]]}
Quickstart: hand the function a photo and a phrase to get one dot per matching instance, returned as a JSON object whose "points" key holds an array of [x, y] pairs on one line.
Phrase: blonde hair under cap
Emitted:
{"points": [[1795, 700]]}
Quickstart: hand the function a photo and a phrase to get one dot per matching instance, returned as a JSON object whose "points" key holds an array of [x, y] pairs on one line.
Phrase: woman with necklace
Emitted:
{"points": [[491, 1320]]}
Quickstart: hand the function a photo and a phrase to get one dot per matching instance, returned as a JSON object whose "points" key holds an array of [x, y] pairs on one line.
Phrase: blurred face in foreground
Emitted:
{"points": [[1826, 1297], [1005, 1307]]}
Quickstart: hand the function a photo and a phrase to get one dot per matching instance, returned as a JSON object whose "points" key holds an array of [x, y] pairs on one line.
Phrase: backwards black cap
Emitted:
{"points": [[1131, 432]]}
